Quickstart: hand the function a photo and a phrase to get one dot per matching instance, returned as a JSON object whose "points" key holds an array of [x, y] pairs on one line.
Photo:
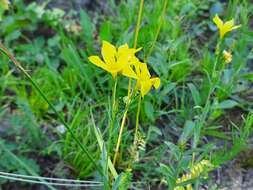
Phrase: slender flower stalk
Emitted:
{"points": [[129, 84], [137, 29], [135, 144], [113, 116], [121, 132], [137, 119]]}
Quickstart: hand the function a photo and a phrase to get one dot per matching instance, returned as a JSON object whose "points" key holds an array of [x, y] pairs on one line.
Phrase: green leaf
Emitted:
{"points": [[187, 132], [122, 182], [226, 104], [218, 134], [174, 150], [149, 110], [100, 144], [195, 94], [105, 31], [87, 28]]}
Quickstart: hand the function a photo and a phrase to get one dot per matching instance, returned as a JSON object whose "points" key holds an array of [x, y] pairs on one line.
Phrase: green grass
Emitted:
{"points": [[193, 103]]}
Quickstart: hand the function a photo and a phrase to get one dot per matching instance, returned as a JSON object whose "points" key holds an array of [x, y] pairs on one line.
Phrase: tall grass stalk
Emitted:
{"points": [[161, 21], [18, 65]]}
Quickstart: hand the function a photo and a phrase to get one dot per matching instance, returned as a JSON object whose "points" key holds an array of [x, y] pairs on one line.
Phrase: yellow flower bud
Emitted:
{"points": [[227, 56]]}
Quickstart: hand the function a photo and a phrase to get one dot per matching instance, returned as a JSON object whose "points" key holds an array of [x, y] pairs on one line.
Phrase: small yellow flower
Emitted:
{"points": [[195, 171], [227, 56], [224, 27], [144, 80], [116, 60], [4, 4]]}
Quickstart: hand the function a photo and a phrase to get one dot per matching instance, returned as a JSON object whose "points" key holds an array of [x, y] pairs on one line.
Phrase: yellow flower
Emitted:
{"points": [[224, 27], [144, 80], [227, 56], [197, 170], [116, 61], [4, 4]]}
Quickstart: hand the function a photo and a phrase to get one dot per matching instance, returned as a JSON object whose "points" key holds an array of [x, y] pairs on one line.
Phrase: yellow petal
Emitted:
{"points": [[156, 82], [235, 27], [98, 62], [123, 48], [144, 75], [145, 87], [122, 61], [229, 24], [137, 50], [129, 72], [108, 52], [218, 21]]}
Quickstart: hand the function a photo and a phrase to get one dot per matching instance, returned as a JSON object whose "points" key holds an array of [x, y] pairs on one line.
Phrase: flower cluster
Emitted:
{"points": [[197, 170], [123, 61]]}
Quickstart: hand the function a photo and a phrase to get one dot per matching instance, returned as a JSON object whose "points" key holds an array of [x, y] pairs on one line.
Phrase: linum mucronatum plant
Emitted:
{"points": [[122, 61], [199, 166]]}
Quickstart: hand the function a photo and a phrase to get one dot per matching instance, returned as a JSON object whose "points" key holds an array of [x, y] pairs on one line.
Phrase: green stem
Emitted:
{"points": [[113, 116], [208, 102], [161, 21], [217, 54], [134, 149], [137, 28], [18, 65], [120, 132], [122, 125], [137, 120]]}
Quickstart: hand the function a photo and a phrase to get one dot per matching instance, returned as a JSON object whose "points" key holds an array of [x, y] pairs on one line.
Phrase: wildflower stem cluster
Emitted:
{"points": [[215, 74]]}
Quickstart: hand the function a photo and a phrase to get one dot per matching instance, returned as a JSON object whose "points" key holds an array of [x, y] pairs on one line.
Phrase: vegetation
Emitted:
{"points": [[167, 103]]}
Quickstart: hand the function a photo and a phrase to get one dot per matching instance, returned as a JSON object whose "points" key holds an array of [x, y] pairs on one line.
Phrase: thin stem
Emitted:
{"points": [[122, 126], [137, 28], [161, 21], [120, 133], [18, 65], [138, 23], [137, 120], [134, 149], [207, 103], [217, 53], [113, 116]]}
